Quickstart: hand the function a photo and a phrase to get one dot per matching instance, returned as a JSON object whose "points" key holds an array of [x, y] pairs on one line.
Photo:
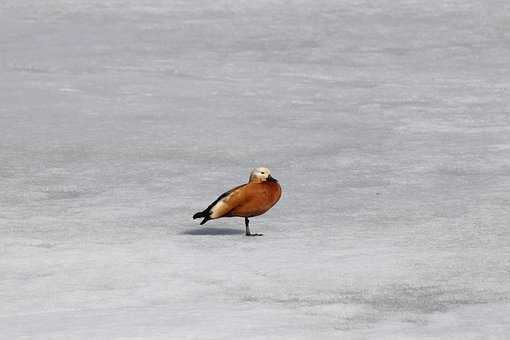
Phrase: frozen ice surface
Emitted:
{"points": [[387, 123]]}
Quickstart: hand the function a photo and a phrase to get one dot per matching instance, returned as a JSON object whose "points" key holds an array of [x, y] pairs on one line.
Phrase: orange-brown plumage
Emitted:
{"points": [[251, 199]]}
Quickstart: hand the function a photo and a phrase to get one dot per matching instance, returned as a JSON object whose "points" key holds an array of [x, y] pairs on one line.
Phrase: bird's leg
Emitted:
{"points": [[246, 223], [248, 233]]}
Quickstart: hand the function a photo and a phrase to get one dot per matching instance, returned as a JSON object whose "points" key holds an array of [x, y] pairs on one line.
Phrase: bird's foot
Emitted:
{"points": [[255, 234]]}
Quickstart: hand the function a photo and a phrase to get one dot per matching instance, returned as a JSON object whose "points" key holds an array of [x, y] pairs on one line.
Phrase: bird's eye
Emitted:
{"points": [[262, 172]]}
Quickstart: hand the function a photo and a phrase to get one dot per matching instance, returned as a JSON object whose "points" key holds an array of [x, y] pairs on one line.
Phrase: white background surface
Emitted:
{"points": [[386, 122]]}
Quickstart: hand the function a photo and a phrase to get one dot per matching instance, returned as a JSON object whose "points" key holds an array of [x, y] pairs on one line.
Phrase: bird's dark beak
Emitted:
{"points": [[272, 179]]}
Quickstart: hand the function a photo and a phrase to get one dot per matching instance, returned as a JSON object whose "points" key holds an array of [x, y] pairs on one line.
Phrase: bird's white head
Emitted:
{"points": [[261, 174]]}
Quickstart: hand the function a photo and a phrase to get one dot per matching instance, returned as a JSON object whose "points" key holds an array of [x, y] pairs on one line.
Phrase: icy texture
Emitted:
{"points": [[387, 123]]}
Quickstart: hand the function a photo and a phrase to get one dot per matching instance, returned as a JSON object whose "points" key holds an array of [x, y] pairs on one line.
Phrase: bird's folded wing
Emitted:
{"points": [[227, 201]]}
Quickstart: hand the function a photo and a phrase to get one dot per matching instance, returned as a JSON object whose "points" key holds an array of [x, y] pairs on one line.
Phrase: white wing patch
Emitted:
{"points": [[219, 209]]}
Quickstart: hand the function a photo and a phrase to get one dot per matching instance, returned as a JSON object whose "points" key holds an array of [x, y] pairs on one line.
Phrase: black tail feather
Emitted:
{"points": [[205, 214], [199, 215]]}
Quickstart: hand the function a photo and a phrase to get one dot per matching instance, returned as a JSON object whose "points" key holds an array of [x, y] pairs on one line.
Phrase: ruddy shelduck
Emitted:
{"points": [[248, 200]]}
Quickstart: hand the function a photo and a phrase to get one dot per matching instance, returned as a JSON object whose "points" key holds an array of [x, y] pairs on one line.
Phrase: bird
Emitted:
{"points": [[247, 200]]}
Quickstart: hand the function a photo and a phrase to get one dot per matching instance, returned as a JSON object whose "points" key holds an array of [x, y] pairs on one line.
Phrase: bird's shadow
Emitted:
{"points": [[213, 231]]}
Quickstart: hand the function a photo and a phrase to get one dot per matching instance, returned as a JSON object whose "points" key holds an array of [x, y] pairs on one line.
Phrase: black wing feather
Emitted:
{"points": [[206, 214]]}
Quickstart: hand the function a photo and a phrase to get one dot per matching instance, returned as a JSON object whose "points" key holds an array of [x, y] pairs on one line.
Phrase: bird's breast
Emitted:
{"points": [[260, 197]]}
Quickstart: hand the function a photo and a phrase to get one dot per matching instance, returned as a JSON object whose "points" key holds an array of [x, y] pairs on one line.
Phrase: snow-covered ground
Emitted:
{"points": [[386, 122]]}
